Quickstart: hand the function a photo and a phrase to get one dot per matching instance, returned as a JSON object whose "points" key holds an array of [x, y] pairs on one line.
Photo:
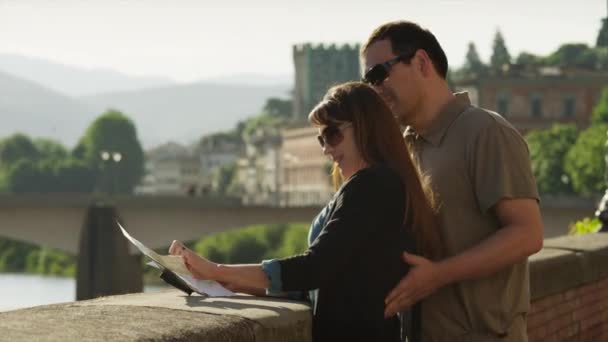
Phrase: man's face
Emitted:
{"points": [[400, 89]]}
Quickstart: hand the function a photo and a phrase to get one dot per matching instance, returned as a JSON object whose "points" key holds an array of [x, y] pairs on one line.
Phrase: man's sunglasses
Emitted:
{"points": [[376, 74], [332, 135]]}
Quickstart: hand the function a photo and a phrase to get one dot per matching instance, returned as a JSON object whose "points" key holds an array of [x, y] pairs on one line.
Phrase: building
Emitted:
{"points": [[257, 172], [319, 67], [216, 151], [171, 169], [536, 99], [304, 178]]}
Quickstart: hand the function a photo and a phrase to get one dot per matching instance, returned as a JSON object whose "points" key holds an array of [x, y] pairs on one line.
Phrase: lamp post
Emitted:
{"points": [[112, 157]]}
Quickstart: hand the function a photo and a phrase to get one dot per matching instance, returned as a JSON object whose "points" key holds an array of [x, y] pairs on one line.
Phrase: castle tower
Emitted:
{"points": [[319, 67]]}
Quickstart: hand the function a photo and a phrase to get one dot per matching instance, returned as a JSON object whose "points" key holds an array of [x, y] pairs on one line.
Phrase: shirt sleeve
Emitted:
{"points": [[272, 268], [500, 166], [362, 207]]}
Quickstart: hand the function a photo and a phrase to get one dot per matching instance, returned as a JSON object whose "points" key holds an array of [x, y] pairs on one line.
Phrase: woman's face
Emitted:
{"points": [[338, 143]]}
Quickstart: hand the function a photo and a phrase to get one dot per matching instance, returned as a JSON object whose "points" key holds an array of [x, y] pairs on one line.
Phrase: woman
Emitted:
{"points": [[381, 208]]}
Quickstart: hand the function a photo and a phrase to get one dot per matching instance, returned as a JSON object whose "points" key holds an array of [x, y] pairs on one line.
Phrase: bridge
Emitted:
{"points": [[56, 221], [108, 264]]}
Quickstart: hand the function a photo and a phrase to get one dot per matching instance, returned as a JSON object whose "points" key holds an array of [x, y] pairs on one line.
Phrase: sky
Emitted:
{"points": [[189, 40]]}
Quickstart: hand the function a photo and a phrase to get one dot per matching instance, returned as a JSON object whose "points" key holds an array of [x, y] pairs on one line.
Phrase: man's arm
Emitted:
{"points": [[520, 235]]}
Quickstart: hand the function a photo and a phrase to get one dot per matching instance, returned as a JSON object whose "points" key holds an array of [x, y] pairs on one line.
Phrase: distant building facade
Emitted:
{"points": [[214, 153], [304, 179], [171, 169], [536, 99], [257, 172], [174, 169], [317, 68]]}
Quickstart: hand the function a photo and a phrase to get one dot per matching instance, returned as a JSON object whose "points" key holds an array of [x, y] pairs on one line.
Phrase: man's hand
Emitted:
{"points": [[422, 280]]}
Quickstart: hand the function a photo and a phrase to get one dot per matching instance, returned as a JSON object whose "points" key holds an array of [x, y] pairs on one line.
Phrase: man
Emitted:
{"points": [[480, 171]]}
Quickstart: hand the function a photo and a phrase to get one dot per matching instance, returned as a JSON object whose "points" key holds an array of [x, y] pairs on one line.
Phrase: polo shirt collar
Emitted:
{"points": [[439, 126]]}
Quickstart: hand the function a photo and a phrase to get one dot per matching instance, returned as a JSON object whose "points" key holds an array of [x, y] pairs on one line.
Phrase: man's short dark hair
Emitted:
{"points": [[406, 36]]}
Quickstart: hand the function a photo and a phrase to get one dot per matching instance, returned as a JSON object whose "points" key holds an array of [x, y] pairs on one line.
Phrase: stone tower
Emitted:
{"points": [[317, 68]]}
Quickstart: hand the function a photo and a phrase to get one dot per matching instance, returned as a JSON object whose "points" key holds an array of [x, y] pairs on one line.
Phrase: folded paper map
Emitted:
{"points": [[175, 264]]}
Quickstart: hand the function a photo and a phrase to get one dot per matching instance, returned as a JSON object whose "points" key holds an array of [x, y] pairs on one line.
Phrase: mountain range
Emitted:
{"points": [[46, 99]]}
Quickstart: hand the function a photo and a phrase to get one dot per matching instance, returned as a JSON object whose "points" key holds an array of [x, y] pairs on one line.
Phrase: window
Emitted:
{"points": [[569, 106], [536, 106], [502, 104]]}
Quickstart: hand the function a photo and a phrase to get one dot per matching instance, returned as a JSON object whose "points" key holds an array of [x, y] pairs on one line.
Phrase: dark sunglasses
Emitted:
{"points": [[376, 74], [332, 135]]}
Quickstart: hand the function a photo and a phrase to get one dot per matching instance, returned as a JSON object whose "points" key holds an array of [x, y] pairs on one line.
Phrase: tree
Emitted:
{"points": [[72, 175], [574, 55], [473, 64], [602, 37], [278, 108], [115, 134], [223, 178], [585, 164], [529, 60], [50, 149], [548, 150], [262, 123], [500, 53], [28, 176], [17, 147], [600, 111]]}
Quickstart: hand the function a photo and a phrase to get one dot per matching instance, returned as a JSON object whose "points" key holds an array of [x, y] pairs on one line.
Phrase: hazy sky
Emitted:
{"points": [[189, 40]]}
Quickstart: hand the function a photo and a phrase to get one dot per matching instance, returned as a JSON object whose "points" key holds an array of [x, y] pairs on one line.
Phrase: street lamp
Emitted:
{"points": [[113, 157]]}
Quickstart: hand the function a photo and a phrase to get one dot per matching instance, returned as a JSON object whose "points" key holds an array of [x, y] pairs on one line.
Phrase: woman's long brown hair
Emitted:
{"points": [[379, 140]]}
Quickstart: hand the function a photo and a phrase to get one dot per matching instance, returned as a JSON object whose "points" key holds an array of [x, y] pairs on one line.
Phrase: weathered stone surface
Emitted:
{"points": [[553, 270], [564, 264], [165, 316], [567, 262]]}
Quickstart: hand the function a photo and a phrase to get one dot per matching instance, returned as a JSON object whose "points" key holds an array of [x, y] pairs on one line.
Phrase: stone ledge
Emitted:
{"points": [[166, 316], [567, 262]]}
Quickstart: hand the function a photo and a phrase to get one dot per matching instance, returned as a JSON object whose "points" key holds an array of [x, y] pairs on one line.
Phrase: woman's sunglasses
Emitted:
{"points": [[332, 135], [376, 74]]}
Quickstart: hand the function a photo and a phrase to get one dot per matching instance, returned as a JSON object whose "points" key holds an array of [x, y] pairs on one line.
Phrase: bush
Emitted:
{"points": [[585, 226], [255, 243]]}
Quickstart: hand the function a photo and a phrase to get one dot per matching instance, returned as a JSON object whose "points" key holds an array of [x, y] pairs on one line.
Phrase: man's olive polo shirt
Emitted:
{"points": [[474, 158]]}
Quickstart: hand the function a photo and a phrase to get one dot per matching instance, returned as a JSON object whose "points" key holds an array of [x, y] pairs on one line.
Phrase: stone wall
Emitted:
{"points": [[569, 284], [568, 279]]}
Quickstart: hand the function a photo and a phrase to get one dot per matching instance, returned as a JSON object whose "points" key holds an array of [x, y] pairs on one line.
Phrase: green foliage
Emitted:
{"points": [[278, 108], [45, 176], [43, 166], [50, 149], [247, 245], [473, 64], [16, 256], [261, 123], [548, 149], [213, 141], [585, 226], [255, 243], [113, 132], [585, 163], [530, 60], [600, 111], [574, 55], [602, 37], [295, 241], [16, 148], [225, 179], [500, 53]]}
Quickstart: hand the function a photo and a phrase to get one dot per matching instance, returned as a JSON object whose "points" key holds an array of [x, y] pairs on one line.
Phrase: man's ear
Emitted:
{"points": [[423, 63]]}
